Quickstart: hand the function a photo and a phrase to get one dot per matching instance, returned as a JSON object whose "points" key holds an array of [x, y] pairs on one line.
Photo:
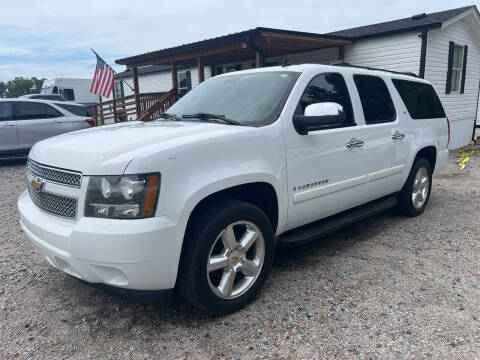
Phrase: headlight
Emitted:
{"points": [[122, 197]]}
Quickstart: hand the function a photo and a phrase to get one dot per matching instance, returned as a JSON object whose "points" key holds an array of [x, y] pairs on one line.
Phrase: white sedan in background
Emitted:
{"points": [[23, 122]]}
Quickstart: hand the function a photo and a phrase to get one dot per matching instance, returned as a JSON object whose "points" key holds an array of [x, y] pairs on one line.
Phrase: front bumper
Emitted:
{"points": [[138, 254]]}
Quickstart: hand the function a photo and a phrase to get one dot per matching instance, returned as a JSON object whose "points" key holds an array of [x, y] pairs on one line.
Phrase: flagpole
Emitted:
{"points": [[112, 69]]}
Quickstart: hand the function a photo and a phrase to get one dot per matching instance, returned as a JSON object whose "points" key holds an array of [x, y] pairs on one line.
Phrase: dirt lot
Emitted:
{"points": [[388, 287]]}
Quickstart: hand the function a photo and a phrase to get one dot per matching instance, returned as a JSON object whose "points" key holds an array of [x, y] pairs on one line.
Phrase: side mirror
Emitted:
{"points": [[319, 116]]}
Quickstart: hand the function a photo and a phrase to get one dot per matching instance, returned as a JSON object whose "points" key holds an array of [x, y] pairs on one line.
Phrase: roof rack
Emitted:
{"points": [[339, 63]]}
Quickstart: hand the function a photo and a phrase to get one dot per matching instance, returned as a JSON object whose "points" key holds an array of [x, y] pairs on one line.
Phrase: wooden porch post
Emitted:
{"points": [[257, 60], [201, 70], [101, 109], [95, 114], [115, 119], [341, 53], [173, 69], [137, 92]]}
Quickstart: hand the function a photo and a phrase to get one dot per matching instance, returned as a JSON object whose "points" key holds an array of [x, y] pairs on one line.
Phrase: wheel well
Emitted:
{"points": [[429, 153], [260, 194]]}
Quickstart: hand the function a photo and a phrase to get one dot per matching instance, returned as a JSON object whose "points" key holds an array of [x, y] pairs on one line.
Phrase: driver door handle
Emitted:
{"points": [[398, 136], [8, 125], [355, 143]]}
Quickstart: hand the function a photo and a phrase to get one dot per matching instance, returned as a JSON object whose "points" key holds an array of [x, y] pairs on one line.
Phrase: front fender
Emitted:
{"points": [[194, 171]]}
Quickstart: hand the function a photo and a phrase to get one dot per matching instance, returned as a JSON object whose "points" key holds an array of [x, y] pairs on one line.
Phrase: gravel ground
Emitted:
{"points": [[388, 287]]}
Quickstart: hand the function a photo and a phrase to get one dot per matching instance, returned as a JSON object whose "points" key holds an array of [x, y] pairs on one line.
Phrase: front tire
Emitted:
{"points": [[414, 197], [227, 255]]}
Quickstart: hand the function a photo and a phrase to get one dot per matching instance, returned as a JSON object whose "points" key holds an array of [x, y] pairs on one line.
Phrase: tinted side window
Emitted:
{"points": [[30, 110], [5, 111], [74, 109], [53, 113], [376, 101], [329, 87], [420, 99]]}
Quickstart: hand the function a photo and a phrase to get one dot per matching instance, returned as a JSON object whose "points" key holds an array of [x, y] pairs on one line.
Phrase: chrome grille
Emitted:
{"points": [[59, 205], [60, 176]]}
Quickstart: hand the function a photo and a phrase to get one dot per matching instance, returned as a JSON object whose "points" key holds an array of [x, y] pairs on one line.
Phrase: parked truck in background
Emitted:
{"points": [[76, 90]]}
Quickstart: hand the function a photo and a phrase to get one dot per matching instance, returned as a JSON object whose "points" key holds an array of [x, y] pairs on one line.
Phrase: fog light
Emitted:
{"points": [[130, 210], [100, 209]]}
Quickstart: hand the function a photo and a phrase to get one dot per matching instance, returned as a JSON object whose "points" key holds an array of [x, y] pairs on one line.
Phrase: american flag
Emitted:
{"points": [[102, 82]]}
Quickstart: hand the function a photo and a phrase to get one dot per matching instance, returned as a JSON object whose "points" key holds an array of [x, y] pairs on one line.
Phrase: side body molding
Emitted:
{"points": [[313, 193]]}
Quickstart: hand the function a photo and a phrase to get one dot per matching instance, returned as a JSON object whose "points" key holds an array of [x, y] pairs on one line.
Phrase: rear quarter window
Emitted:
{"points": [[421, 100], [74, 109]]}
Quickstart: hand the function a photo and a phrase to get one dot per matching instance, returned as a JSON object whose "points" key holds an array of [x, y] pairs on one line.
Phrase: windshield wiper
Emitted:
{"points": [[206, 116], [170, 116]]}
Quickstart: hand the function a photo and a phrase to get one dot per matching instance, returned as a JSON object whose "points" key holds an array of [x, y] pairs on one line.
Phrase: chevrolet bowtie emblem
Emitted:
{"points": [[37, 184]]}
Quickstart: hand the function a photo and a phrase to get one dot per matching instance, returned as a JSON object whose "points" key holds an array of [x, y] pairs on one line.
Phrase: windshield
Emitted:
{"points": [[251, 98]]}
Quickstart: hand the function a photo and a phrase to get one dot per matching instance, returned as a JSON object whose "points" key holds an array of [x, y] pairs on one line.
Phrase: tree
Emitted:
{"points": [[20, 86], [3, 89]]}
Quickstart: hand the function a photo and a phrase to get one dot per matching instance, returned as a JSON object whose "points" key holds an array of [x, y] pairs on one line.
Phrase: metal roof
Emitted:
{"points": [[220, 40], [416, 22]]}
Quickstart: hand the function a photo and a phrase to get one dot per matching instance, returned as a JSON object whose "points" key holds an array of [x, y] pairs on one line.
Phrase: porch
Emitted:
{"points": [[255, 46]]}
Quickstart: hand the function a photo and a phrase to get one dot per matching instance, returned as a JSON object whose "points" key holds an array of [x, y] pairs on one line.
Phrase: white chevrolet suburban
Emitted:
{"points": [[198, 199]]}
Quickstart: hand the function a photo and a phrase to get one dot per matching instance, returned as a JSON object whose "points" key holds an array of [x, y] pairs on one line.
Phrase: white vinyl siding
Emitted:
{"points": [[161, 81], [461, 109], [397, 52], [321, 56]]}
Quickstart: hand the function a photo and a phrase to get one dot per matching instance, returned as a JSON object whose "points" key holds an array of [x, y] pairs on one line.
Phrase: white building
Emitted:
{"points": [[443, 47]]}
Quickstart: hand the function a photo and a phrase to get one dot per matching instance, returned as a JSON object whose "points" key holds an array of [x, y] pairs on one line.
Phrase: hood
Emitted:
{"points": [[107, 150]]}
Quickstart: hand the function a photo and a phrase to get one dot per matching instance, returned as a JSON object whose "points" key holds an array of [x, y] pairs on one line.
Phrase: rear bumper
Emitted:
{"points": [[132, 254]]}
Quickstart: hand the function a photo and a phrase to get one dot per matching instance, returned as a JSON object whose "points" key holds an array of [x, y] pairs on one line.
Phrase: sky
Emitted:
{"points": [[50, 38]]}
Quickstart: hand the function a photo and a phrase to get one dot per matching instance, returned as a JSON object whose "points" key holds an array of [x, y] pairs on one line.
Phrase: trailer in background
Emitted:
{"points": [[77, 90]]}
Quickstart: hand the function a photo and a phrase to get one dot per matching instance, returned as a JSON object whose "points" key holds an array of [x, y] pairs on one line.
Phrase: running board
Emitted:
{"points": [[312, 231]]}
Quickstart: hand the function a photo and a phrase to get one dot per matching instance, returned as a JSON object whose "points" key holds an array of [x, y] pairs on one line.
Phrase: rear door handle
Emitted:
{"points": [[57, 122], [398, 136], [355, 143]]}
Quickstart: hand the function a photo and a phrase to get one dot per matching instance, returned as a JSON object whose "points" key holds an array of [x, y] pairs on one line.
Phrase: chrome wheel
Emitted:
{"points": [[235, 259], [420, 188]]}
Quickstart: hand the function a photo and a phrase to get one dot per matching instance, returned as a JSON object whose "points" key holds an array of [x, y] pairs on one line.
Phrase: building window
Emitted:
{"points": [[457, 67], [184, 82]]}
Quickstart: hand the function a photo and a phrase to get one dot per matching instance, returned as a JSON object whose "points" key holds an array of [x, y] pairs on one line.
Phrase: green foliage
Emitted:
{"points": [[20, 86]]}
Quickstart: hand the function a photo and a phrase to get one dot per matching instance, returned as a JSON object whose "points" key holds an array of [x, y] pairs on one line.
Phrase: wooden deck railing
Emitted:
{"points": [[132, 107], [159, 106]]}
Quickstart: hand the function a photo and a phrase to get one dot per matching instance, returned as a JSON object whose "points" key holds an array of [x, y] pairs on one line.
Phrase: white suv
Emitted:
{"points": [[199, 199]]}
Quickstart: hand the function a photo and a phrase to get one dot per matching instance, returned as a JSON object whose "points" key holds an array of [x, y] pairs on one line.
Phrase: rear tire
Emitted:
{"points": [[415, 194], [227, 255]]}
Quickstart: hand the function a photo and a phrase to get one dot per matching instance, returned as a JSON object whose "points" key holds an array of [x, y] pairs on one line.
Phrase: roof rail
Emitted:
{"points": [[339, 63]]}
